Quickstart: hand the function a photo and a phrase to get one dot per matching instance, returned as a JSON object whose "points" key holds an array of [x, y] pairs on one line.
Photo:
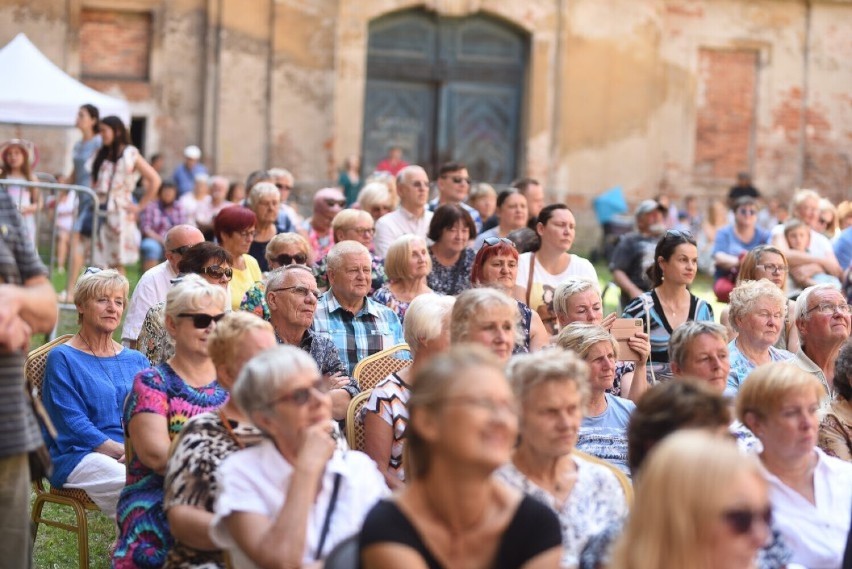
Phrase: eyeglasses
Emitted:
{"points": [[747, 211], [824, 221], [774, 269], [332, 203], [486, 404], [741, 521], [459, 179], [247, 234], [299, 397], [492, 241], [217, 272], [828, 309], [180, 250], [363, 230], [201, 321], [284, 259], [680, 234], [283, 187], [299, 290]]}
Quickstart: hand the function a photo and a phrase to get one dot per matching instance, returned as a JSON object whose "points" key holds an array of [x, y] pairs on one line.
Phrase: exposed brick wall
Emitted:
{"points": [[725, 119], [115, 45]]}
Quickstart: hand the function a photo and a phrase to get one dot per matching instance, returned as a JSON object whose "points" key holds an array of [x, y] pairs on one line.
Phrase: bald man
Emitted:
{"points": [[156, 282]]}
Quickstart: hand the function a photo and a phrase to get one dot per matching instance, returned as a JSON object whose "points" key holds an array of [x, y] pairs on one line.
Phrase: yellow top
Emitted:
{"points": [[243, 280]]}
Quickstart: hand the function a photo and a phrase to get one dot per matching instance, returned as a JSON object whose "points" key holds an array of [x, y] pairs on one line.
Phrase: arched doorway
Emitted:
{"points": [[445, 89]]}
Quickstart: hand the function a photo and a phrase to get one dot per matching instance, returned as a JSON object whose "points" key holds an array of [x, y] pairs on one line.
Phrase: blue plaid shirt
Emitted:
{"points": [[373, 329]]}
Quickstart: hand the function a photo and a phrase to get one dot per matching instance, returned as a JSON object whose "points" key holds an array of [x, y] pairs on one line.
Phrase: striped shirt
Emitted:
{"points": [[373, 329]]}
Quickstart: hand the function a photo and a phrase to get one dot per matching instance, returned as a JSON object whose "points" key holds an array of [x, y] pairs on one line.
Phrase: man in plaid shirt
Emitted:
{"points": [[357, 325]]}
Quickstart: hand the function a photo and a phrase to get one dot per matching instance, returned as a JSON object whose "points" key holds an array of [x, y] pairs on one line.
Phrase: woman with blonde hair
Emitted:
{"points": [[715, 513], [757, 313], [810, 491], [427, 333], [487, 317], [282, 250], [407, 266], [603, 432], [378, 198], [460, 431]]}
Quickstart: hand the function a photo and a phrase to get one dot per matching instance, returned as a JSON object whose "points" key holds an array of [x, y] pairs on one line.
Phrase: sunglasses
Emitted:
{"points": [[332, 203], [285, 259], [491, 241], [218, 272], [746, 211], [201, 321], [680, 234], [742, 521], [180, 250], [299, 397], [460, 179]]}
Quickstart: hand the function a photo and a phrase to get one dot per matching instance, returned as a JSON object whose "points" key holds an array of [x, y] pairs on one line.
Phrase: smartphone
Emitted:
{"points": [[622, 330]]}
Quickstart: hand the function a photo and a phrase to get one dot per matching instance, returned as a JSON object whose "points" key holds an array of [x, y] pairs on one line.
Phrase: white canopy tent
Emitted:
{"points": [[34, 91]]}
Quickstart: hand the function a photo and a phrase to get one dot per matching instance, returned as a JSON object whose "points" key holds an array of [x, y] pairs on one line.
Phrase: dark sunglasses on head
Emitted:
{"points": [[491, 241], [742, 520], [332, 203], [202, 321], [180, 250], [680, 234], [285, 259], [218, 272]]}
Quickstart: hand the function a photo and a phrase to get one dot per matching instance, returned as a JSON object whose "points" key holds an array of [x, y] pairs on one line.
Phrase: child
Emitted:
{"points": [[18, 158], [798, 235]]}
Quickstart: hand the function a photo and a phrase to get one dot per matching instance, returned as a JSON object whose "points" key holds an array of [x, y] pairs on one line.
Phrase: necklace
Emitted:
{"points": [[99, 358]]}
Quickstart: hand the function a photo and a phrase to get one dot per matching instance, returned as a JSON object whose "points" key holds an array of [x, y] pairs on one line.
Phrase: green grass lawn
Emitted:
{"points": [[57, 549]]}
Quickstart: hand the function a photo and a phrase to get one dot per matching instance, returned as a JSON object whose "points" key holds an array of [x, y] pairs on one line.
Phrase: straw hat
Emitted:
{"points": [[25, 145]]}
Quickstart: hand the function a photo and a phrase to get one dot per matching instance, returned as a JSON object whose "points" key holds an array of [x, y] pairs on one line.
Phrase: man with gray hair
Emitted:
{"points": [[824, 323], [412, 217], [291, 294], [357, 325], [155, 283]]}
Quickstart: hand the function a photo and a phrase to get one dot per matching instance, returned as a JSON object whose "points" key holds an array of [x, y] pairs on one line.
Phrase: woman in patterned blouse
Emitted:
{"points": [[451, 230], [427, 333], [552, 389], [407, 266]]}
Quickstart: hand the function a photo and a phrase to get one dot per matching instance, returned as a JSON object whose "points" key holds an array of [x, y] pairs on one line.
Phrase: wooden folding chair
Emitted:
{"points": [[355, 422], [78, 500], [372, 369]]}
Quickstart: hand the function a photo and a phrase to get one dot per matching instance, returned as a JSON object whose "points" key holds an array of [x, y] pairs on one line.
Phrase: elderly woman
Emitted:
{"points": [[427, 333], [283, 250], [292, 299], [551, 389], [377, 199], [496, 266], [603, 432], [670, 303], [450, 231], [732, 242], [768, 262], [511, 214], [353, 225], [835, 429], [207, 260], [698, 350], [234, 228], [757, 314], [578, 299], [85, 383], [289, 500], [192, 477], [163, 398], [264, 200], [460, 431], [407, 266], [706, 480], [549, 263], [487, 317], [810, 491]]}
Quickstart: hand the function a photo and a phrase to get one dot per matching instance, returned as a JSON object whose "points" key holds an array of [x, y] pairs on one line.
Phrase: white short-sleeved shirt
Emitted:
{"points": [[256, 479], [820, 245], [816, 533], [544, 283], [152, 288], [396, 224]]}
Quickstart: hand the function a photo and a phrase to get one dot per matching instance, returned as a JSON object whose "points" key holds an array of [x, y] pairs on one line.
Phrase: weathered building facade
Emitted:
{"points": [[649, 95]]}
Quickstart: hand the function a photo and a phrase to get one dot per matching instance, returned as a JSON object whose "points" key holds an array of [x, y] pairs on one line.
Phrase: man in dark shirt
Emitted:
{"points": [[635, 251], [27, 306]]}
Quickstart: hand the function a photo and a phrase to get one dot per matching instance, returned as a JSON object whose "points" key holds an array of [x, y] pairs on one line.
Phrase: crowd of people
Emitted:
{"points": [[526, 428]]}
